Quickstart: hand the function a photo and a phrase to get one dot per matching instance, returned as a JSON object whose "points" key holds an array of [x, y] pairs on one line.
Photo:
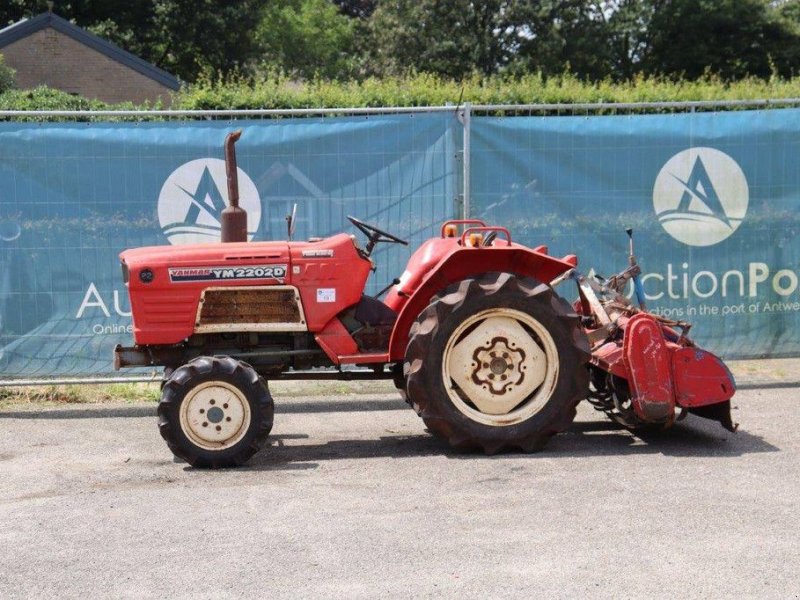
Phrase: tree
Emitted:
{"points": [[593, 39], [307, 38], [559, 35], [7, 76], [356, 8], [449, 38], [731, 39]]}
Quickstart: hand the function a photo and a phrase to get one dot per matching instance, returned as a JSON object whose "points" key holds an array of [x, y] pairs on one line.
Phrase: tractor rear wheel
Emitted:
{"points": [[215, 412], [497, 362]]}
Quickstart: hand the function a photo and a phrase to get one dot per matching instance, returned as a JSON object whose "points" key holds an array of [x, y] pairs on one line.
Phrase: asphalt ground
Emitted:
{"points": [[353, 499]]}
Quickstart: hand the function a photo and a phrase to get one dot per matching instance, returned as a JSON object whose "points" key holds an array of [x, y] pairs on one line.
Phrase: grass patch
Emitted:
{"points": [[57, 395]]}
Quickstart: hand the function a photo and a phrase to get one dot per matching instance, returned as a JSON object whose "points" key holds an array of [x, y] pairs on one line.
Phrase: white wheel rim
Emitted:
{"points": [[215, 415], [497, 373]]}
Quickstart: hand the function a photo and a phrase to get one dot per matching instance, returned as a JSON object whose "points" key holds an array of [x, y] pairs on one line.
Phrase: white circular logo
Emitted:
{"points": [[9, 231], [193, 197], [700, 196]]}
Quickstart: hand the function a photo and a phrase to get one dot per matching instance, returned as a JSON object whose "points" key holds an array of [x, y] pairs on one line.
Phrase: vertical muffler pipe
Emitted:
{"points": [[234, 218]]}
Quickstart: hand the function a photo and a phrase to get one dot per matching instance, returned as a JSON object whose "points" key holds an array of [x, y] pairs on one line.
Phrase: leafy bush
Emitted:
{"points": [[45, 98], [277, 91], [7, 81]]}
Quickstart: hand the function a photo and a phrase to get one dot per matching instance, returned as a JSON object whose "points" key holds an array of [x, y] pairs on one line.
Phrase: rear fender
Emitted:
{"points": [[463, 264]]}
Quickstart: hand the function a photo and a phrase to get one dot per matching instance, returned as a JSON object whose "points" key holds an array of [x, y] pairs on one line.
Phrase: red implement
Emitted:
{"points": [[647, 359]]}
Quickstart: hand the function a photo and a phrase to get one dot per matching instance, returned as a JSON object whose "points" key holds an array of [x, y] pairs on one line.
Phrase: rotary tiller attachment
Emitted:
{"points": [[643, 369]]}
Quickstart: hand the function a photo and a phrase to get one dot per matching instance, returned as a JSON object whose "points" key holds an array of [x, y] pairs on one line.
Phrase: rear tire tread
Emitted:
{"points": [[451, 301]]}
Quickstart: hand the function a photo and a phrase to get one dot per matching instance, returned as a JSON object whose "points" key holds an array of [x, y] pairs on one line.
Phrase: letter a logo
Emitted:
{"points": [[193, 197], [700, 196]]}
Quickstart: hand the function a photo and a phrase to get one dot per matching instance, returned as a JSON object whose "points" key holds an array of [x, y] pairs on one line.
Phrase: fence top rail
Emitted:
{"points": [[248, 112], [763, 102], [288, 112]]}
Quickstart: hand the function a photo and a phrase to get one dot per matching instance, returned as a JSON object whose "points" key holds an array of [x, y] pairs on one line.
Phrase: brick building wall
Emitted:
{"points": [[48, 57]]}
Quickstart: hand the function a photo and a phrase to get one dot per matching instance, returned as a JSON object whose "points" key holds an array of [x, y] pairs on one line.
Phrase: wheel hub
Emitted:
{"points": [[494, 366], [498, 366], [215, 415]]}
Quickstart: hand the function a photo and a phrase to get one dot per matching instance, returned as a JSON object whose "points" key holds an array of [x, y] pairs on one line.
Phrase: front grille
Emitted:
{"points": [[250, 307]]}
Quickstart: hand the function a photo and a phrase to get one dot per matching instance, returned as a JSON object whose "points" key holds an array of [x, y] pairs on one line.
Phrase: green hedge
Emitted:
{"points": [[419, 90], [44, 98], [429, 90]]}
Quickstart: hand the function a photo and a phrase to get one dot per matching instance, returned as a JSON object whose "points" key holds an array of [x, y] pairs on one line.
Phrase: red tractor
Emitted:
{"points": [[473, 334]]}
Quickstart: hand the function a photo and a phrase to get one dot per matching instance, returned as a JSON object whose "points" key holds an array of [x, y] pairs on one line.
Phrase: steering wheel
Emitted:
{"points": [[374, 235]]}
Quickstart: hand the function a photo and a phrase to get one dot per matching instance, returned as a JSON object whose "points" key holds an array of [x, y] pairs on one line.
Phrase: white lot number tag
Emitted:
{"points": [[326, 295]]}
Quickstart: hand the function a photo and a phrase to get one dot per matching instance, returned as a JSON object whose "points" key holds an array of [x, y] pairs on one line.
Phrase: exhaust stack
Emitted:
{"points": [[234, 218]]}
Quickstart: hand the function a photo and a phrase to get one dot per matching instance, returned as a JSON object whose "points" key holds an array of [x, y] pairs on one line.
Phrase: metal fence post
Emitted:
{"points": [[467, 121]]}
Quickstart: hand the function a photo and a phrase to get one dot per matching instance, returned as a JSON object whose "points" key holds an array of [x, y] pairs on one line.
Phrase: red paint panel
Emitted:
{"points": [[610, 357], [335, 341], [701, 378], [165, 310], [650, 369], [420, 264], [364, 359], [344, 271]]}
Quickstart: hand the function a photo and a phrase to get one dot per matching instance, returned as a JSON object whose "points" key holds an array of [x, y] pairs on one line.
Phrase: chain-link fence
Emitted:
{"points": [[79, 187]]}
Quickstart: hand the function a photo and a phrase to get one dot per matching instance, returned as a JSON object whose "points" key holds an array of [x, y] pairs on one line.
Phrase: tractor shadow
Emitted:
{"points": [[693, 437], [689, 438], [82, 412], [279, 455]]}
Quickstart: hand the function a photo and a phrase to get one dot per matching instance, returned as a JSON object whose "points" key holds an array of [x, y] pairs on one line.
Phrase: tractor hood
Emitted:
{"points": [[191, 254], [166, 283]]}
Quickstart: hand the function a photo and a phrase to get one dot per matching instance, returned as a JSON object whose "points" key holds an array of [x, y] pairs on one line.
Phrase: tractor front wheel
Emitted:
{"points": [[497, 362], [215, 412]]}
